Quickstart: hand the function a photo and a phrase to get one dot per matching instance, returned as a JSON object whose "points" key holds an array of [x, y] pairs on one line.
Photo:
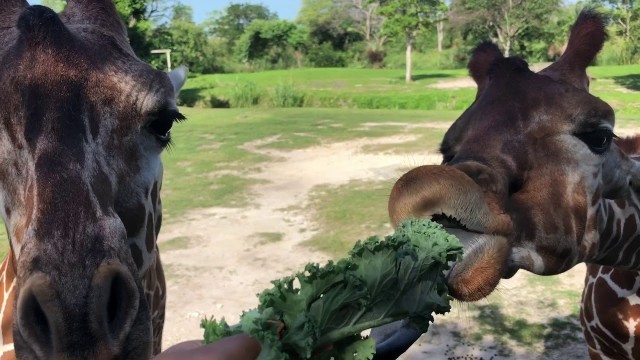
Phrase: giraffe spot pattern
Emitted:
{"points": [[132, 217], [150, 236], [137, 256]]}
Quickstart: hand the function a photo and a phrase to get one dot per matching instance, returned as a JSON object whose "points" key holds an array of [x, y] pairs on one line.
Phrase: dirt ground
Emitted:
{"points": [[219, 266]]}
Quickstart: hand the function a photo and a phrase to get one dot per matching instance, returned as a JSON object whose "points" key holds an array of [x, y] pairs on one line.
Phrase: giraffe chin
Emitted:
{"points": [[485, 262]]}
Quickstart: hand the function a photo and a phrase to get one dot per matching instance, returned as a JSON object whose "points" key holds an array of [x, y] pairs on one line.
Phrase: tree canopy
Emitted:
{"points": [[367, 33]]}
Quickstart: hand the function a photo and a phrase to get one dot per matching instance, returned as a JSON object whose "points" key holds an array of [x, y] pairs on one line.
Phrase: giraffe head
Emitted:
{"points": [[82, 125], [530, 171]]}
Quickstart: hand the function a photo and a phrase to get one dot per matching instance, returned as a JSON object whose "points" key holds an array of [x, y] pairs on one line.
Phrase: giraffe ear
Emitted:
{"points": [[586, 39], [101, 14], [178, 77], [482, 57]]}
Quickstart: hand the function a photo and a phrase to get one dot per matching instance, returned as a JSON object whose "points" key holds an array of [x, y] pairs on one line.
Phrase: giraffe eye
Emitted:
{"points": [[161, 124], [161, 127], [598, 141]]}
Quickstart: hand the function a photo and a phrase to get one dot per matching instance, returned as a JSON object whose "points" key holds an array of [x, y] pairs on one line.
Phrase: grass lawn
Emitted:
{"points": [[382, 89], [333, 87]]}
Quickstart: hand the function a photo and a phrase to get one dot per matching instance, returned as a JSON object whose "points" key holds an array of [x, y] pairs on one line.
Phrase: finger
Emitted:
{"points": [[238, 347]]}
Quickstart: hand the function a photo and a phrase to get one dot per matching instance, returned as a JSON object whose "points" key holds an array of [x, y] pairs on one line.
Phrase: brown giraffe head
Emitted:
{"points": [[530, 171], [82, 125]]}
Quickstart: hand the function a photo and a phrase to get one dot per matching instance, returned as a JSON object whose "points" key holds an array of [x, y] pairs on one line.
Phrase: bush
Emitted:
{"points": [[244, 94], [375, 58], [323, 55], [619, 52], [286, 95]]}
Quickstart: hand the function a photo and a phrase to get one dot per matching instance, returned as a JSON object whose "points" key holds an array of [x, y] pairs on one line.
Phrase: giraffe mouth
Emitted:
{"points": [[448, 196], [451, 223], [484, 263]]}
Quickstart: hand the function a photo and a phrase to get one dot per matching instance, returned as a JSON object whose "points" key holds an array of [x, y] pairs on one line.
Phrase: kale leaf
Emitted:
{"points": [[319, 313]]}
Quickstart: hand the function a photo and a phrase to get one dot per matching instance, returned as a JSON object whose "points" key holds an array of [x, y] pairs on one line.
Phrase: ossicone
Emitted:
{"points": [[482, 58], [40, 24], [586, 39]]}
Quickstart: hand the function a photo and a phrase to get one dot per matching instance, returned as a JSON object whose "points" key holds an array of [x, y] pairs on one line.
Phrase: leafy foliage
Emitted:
{"points": [[407, 17], [230, 24], [507, 22], [187, 40], [381, 281], [273, 41]]}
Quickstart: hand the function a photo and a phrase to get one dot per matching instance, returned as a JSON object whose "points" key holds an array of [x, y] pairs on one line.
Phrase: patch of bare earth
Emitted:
{"points": [[228, 261]]}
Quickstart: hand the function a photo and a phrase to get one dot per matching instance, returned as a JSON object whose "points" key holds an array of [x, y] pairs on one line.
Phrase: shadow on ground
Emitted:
{"points": [[488, 332], [631, 82], [560, 334], [418, 77], [197, 97]]}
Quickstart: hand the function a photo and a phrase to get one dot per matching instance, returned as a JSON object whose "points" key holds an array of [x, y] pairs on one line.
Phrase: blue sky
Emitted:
{"points": [[286, 9]]}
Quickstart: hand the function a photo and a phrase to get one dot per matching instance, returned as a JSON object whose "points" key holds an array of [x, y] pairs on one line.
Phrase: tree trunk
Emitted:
{"points": [[507, 46], [298, 56], [409, 50], [440, 29]]}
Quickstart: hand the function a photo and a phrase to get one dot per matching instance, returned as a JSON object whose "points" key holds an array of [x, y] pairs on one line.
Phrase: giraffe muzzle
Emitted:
{"points": [[448, 196], [111, 309]]}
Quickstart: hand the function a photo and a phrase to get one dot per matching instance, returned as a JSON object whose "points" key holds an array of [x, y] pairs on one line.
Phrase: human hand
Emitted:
{"points": [[238, 347]]}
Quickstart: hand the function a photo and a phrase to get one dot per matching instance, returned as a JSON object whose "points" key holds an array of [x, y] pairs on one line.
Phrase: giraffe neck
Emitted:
{"points": [[610, 313], [618, 243], [7, 284]]}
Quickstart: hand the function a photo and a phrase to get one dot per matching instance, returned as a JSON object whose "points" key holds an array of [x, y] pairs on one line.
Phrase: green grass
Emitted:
{"points": [[348, 213], [385, 89], [333, 87]]}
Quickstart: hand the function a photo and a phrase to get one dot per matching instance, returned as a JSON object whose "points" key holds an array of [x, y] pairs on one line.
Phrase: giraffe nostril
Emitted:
{"points": [[515, 185], [37, 315], [115, 302]]}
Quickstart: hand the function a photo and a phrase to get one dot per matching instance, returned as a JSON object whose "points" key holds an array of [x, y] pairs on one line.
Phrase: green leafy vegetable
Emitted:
{"points": [[319, 313]]}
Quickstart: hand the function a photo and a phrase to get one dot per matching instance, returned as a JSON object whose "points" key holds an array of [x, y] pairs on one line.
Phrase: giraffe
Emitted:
{"points": [[534, 178], [83, 123]]}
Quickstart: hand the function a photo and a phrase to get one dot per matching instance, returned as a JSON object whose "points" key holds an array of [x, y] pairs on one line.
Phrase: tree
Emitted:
{"points": [[407, 18], [440, 16], [625, 15], [272, 41], [328, 21], [368, 22], [187, 40], [625, 26], [506, 20], [231, 23]]}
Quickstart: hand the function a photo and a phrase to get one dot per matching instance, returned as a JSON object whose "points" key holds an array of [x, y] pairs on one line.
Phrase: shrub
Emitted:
{"points": [[323, 55], [375, 58], [286, 95], [619, 52], [244, 93]]}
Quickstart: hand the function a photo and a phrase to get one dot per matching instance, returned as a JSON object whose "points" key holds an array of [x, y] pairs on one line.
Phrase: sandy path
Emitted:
{"points": [[222, 269]]}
